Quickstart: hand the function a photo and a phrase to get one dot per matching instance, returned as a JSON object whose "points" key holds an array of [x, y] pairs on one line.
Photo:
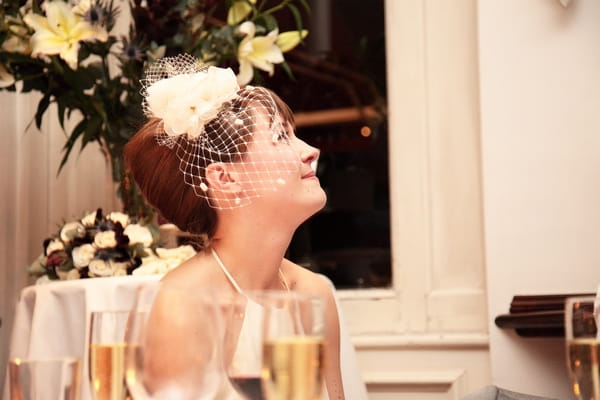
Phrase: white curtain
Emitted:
{"points": [[35, 200]]}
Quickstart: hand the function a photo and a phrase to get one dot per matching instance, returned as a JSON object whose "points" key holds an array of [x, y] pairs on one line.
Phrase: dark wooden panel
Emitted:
{"points": [[536, 315]]}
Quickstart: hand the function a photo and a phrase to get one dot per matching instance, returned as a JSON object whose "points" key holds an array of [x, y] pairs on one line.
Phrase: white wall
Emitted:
{"points": [[540, 116]]}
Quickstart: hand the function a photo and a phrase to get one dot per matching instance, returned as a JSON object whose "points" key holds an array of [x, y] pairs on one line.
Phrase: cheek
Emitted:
{"points": [[277, 161], [270, 169]]}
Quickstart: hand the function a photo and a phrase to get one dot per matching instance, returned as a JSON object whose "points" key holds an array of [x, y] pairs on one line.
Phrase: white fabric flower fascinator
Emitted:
{"points": [[206, 118], [185, 94]]}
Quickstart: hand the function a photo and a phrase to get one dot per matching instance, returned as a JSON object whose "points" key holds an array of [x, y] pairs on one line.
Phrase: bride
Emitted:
{"points": [[223, 162]]}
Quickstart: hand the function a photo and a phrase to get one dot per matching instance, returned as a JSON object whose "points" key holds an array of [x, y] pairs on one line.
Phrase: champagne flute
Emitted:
{"points": [[44, 379], [582, 345], [293, 345], [107, 354], [174, 345], [242, 346]]}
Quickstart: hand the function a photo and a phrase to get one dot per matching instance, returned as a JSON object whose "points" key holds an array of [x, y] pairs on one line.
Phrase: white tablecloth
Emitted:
{"points": [[52, 320]]}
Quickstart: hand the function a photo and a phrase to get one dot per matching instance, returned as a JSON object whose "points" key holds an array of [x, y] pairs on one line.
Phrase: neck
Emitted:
{"points": [[252, 252]]}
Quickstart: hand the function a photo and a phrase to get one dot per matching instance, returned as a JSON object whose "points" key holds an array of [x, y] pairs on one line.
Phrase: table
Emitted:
{"points": [[52, 320]]}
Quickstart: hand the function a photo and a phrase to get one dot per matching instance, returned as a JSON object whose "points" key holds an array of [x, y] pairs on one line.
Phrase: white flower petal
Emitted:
{"points": [[83, 255], [54, 245], [89, 219], [105, 239], [120, 217], [100, 268], [247, 28], [60, 32], [71, 230], [138, 234], [246, 72]]}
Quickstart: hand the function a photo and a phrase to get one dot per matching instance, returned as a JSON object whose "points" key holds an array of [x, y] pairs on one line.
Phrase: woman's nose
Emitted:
{"points": [[309, 154]]}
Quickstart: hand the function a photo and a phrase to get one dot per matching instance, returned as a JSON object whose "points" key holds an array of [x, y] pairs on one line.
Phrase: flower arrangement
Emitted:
{"points": [[101, 245], [71, 53]]}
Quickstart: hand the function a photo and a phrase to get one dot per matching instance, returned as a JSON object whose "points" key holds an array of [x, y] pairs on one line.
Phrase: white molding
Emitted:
{"points": [[441, 341], [449, 383], [423, 378], [367, 294]]}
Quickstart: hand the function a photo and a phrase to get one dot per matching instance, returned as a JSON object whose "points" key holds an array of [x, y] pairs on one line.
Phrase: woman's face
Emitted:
{"points": [[278, 167]]}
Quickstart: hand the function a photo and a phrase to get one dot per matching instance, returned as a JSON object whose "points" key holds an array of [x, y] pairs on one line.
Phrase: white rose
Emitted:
{"points": [[73, 274], [54, 245], [119, 217], [149, 258], [119, 272], [182, 252], [82, 255], [89, 219], [43, 279], [119, 266], [187, 102], [138, 234], [108, 268], [155, 266], [71, 230], [175, 256], [105, 239], [100, 268]]}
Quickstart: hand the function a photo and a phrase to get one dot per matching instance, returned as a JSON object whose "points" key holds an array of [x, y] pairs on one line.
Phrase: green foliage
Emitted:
{"points": [[100, 88]]}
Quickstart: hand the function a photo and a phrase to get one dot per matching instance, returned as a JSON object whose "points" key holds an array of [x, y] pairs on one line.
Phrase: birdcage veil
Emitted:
{"points": [[207, 119]]}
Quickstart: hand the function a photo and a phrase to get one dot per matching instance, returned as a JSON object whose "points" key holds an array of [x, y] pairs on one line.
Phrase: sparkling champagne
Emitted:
{"points": [[107, 371], [293, 368], [583, 355]]}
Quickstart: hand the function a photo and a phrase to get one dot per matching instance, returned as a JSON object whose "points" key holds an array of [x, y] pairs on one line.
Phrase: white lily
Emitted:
{"points": [[286, 41], [60, 32], [259, 52]]}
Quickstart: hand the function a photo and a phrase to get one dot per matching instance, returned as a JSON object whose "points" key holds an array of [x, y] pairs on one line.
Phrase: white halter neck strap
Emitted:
{"points": [[233, 281]]}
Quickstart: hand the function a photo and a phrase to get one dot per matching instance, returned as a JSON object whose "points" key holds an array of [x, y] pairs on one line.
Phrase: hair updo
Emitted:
{"points": [[156, 168]]}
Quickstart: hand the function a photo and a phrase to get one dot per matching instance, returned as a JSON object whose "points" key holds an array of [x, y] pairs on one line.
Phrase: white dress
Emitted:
{"points": [[352, 381]]}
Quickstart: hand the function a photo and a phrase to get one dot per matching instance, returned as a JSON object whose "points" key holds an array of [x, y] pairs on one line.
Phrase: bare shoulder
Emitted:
{"points": [[304, 280]]}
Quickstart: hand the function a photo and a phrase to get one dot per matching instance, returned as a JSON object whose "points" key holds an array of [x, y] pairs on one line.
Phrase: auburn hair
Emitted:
{"points": [[156, 168]]}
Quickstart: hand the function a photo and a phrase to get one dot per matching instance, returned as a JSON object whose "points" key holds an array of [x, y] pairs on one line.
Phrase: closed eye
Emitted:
{"points": [[282, 137]]}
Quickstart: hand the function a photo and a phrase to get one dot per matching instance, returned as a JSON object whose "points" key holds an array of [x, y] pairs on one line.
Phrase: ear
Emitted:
{"points": [[222, 177]]}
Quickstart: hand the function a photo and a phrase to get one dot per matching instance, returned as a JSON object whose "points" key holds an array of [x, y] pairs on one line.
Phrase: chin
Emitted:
{"points": [[318, 204]]}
